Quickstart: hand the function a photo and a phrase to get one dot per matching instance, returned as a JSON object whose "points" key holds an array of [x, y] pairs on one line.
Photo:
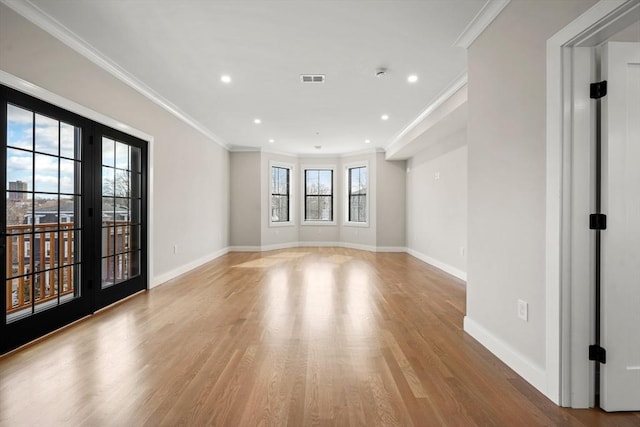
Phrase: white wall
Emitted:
{"points": [[391, 204], [191, 184], [506, 156], [437, 204]]}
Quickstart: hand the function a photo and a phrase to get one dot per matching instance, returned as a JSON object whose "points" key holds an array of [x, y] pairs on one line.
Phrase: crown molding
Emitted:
{"points": [[47, 23], [444, 96], [480, 22]]}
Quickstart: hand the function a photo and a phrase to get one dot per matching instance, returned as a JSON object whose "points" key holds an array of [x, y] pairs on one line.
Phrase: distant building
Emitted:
{"points": [[16, 189]]}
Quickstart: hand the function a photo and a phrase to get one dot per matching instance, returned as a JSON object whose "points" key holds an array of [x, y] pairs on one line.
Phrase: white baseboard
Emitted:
{"points": [[462, 275], [532, 373], [391, 249], [277, 246], [245, 248], [165, 277], [318, 244], [358, 246]]}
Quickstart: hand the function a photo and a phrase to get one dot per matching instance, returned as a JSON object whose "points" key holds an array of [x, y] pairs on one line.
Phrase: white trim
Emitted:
{"points": [[524, 367], [358, 246], [320, 244], [391, 249], [185, 268], [345, 196], [292, 188], [245, 248], [462, 275], [303, 169], [49, 24], [244, 148], [277, 246], [480, 22], [557, 239], [441, 99], [36, 91], [29, 88]]}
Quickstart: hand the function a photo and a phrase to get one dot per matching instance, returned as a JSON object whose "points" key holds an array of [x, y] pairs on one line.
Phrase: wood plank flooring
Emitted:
{"points": [[299, 337]]}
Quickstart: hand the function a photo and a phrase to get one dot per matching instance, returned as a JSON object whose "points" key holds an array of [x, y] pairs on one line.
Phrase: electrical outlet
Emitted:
{"points": [[462, 251], [523, 310], [175, 249], [437, 175]]}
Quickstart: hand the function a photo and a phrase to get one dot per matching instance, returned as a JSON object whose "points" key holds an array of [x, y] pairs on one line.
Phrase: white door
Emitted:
{"points": [[620, 375]]}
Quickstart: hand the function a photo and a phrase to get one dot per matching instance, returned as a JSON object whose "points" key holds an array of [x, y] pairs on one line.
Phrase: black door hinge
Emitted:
{"points": [[90, 284], [91, 139], [597, 353], [598, 90], [90, 212], [597, 222]]}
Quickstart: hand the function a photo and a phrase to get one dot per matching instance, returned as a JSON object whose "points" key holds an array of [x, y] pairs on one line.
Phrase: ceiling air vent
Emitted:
{"points": [[312, 78]]}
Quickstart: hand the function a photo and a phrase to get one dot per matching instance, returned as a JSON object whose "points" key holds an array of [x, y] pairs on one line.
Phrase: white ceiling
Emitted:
{"points": [[181, 48]]}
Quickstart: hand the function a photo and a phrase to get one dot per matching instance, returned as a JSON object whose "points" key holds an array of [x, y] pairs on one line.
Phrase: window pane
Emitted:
{"points": [[46, 207], [123, 211], [363, 180], [69, 147], [326, 184], [312, 182], [325, 207], [122, 156], [279, 208], [284, 181], [311, 208], [108, 152], [19, 170], [46, 173], [354, 175], [46, 135], [284, 207], [274, 179], [108, 181], [67, 176], [19, 127], [18, 206], [122, 183]]}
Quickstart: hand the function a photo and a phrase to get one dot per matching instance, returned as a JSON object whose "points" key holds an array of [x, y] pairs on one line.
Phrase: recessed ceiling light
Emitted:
{"points": [[225, 79], [367, 141], [271, 141], [257, 121], [412, 78], [385, 117]]}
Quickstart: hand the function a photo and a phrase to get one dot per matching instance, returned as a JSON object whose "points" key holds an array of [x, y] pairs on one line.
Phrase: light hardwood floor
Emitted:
{"points": [[309, 336]]}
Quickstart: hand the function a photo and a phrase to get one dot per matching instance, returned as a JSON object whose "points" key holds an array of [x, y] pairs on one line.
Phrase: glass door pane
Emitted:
{"points": [[43, 199], [121, 217]]}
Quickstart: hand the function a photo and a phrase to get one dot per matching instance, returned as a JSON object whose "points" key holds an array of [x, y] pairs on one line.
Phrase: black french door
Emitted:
{"points": [[74, 209]]}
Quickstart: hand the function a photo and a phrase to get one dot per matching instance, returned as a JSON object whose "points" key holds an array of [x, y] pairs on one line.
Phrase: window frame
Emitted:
{"points": [[304, 169], [291, 168], [347, 194]]}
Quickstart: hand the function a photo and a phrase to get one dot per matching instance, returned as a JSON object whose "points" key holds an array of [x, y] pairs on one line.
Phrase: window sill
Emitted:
{"points": [[318, 223], [282, 224], [356, 224]]}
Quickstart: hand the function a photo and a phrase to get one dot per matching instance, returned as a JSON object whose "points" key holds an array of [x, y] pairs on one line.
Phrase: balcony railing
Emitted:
{"points": [[41, 264], [36, 257]]}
